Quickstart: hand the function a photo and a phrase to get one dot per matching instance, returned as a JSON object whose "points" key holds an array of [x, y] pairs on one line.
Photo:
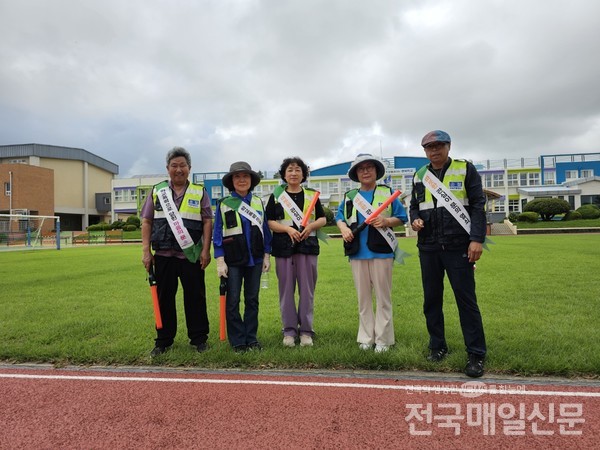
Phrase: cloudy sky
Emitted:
{"points": [[260, 80]]}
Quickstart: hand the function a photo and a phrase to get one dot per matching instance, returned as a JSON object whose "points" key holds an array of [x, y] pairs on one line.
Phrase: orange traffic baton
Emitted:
{"points": [[154, 293], [222, 302]]}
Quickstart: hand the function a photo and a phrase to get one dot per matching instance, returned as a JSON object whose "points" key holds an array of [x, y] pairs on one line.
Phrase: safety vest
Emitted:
{"points": [[309, 194], [190, 209], [454, 179], [256, 204], [381, 194], [235, 246]]}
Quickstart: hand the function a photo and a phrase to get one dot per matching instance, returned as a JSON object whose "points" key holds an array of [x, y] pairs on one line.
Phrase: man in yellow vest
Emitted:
{"points": [[447, 209], [177, 223]]}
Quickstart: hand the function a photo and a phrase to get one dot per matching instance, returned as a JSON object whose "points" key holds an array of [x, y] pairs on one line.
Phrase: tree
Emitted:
{"points": [[547, 208]]}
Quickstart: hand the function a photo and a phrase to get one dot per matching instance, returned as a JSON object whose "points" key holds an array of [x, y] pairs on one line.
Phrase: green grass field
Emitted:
{"points": [[91, 305]]}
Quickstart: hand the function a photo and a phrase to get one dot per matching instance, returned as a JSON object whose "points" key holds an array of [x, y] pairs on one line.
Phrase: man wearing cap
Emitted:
{"points": [[242, 248], [177, 222], [371, 251], [447, 209]]}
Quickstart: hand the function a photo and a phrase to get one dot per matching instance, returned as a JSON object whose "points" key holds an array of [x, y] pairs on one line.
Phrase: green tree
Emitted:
{"points": [[547, 208]]}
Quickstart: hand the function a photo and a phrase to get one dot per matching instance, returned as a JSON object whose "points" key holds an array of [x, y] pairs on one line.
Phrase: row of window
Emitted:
{"points": [[404, 184]]}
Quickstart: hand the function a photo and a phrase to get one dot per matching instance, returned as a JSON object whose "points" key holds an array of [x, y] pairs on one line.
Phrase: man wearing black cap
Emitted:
{"points": [[447, 210]]}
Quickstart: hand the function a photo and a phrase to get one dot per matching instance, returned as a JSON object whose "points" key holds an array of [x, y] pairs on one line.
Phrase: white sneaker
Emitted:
{"points": [[365, 346], [306, 340], [380, 348], [289, 341]]}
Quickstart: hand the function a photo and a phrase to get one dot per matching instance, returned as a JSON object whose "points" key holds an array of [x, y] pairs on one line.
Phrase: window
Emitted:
{"points": [[6, 188], [513, 206], [216, 192], [587, 173], [571, 174], [498, 206], [513, 179], [143, 194], [487, 180], [334, 187], [523, 179], [590, 199], [408, 181], [118, 195], [534, 179], [550, 178], [498, 180]]}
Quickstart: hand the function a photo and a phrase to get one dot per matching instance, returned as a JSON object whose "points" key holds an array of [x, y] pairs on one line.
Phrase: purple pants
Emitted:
{"points": [[298, 269]]}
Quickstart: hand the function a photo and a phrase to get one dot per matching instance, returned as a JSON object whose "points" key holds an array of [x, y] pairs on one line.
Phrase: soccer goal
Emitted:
{"points": [[29, 231]]}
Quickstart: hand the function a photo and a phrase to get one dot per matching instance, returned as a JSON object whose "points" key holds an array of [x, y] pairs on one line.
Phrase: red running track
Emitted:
{"points": [[45, 408]]}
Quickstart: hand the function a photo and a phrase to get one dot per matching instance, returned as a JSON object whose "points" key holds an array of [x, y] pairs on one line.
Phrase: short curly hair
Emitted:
{"points": [[179, 151], [294, 160]]}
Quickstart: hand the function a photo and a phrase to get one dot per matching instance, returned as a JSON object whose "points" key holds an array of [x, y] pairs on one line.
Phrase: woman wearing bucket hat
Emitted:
{"points": [[295, 249], [242, 247], [371, 255]]}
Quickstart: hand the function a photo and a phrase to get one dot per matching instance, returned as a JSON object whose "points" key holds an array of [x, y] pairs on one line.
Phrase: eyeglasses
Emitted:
{"points": [[434, 146], [365, 168]]}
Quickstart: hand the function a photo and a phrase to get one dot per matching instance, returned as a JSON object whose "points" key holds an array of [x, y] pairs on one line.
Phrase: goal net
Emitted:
{"points": [[29, 231]]}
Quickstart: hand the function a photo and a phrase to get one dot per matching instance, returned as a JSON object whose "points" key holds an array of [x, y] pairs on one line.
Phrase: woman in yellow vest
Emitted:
{"points": [[295, 250], [242, 248]]}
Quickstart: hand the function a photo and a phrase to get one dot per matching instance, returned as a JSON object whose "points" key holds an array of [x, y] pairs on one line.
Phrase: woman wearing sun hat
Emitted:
{"points": [[242, 248], [371, 255]]}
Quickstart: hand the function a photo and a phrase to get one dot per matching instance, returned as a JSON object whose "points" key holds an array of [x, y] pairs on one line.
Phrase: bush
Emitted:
{"points": [[513, 217], [530, 217], [116, 225], [133, 220], [589, 211], [547, 208], [96, 227], [129, 227], [572, 215]]}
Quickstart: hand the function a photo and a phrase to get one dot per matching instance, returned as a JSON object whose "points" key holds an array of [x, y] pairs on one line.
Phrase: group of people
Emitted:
{"points": [[446, 209]]}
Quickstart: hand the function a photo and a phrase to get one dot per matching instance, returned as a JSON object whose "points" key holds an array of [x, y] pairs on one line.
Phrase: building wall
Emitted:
{"points": [[32, 189]]}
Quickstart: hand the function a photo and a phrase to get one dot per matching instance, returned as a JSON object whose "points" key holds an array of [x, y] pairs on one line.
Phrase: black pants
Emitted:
{"points": [[462, 279], [168, 273]]}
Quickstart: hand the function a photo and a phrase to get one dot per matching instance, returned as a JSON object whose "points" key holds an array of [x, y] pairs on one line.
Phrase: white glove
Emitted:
{"points": [[266, 263], [221, 267]]}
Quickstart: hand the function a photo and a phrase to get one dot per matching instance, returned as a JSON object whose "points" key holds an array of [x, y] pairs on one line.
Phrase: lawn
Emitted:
{"points": [[91, 305]]}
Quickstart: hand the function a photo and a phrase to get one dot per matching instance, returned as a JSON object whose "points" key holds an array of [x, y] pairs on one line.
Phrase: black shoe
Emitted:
{"points": [[158, 350], [474, 368], [240, 349], [436, 355], [201, 347], [255, 346]]}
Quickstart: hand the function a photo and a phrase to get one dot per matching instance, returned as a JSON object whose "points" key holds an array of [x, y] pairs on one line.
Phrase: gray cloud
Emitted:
{"points": [[262, 80]]}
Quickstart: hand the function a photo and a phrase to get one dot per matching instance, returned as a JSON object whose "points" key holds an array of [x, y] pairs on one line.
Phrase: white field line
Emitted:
{"points": [[469, 389]]}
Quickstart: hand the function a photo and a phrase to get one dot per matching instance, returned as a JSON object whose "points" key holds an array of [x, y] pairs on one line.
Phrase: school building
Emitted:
{"points": [[509, 183]]}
